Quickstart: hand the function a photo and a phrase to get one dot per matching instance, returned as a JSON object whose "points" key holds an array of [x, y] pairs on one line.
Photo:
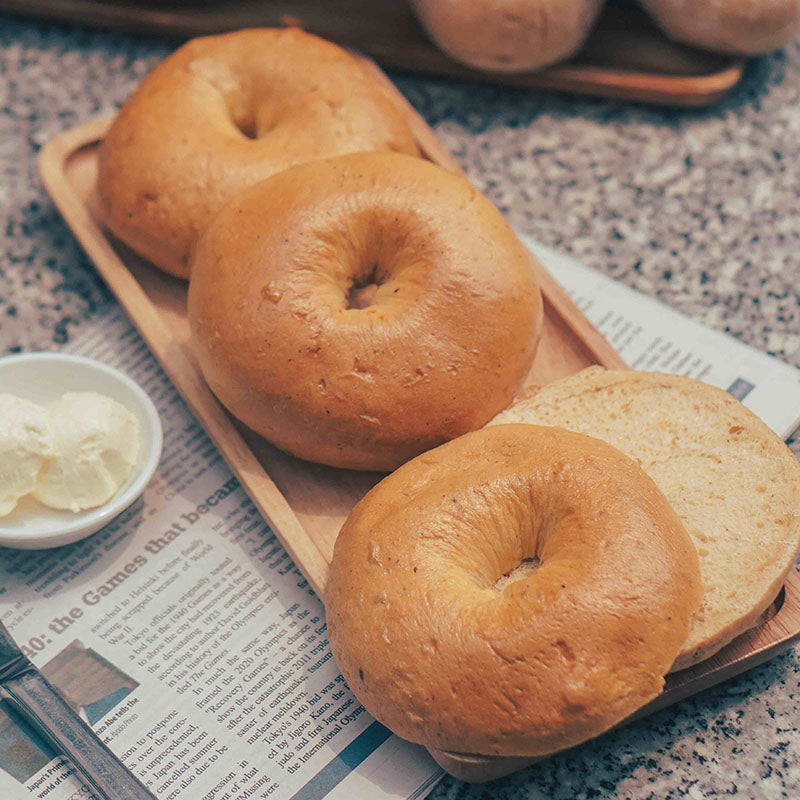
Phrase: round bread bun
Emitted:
{"points": [[360, 310], [448, 641], [734, 484], [746, 27], [508, 35], [223, 113]]}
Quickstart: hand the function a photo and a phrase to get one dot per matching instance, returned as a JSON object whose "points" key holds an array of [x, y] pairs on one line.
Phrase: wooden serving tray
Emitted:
{"points": [[305, 504], [625, 57]]}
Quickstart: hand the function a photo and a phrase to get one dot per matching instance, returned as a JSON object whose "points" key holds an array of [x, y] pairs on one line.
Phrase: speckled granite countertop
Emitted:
{"points": [[699, 208]]}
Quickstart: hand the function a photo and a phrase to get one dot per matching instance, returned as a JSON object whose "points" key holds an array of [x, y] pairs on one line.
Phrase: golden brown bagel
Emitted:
{"points": [[443, 649], [222, 113], [360, 310], [508, 35], [731, 26]]}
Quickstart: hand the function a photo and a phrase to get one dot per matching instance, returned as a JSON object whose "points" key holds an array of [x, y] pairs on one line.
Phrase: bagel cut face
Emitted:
{"points": [[360, 310], [223, 113], [447, 640], [733, 483]]}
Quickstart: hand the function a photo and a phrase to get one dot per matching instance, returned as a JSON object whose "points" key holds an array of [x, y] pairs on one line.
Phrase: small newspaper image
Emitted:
{"points": [[186, 637]]}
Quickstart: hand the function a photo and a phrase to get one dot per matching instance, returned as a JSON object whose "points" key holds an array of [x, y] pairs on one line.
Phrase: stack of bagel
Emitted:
{"points": [[533, 566]]}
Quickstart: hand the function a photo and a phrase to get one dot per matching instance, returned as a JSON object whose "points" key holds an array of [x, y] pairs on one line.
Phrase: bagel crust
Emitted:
{"points": [[223, 113], [363, 309], [443, 645]]}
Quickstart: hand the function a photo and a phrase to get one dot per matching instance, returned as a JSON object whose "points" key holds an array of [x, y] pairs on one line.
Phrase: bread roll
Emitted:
{"points": [[746, 27], [508, 35]]}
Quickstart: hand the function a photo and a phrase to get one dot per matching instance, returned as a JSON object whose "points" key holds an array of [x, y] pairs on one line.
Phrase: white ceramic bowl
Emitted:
{"points": [[42, 377]]}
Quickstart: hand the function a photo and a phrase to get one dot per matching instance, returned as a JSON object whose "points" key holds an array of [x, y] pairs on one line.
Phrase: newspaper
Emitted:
{"points": [[184, 634]]}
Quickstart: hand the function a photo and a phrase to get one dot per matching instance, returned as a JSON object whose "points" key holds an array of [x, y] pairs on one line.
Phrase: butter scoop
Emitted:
{"points": [[26, 442], [96, 443]]}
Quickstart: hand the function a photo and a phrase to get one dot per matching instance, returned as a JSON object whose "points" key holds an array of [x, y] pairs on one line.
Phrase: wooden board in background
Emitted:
{"points": [[304, 503], [625, 57]]}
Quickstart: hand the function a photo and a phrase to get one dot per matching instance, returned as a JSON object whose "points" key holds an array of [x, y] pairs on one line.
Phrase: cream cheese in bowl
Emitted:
{"points": [[26, 442], [96, 442], [79, 441]]}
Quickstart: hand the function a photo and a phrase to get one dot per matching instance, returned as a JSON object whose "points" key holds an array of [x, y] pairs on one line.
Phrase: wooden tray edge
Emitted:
{"points": [[673, 90], [170, 355]]}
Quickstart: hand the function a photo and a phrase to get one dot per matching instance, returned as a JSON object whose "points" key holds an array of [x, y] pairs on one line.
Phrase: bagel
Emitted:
{"points": [[746, 27], [508, 35], [442, 641], [732, 481], [360, 310], [222, 113]]}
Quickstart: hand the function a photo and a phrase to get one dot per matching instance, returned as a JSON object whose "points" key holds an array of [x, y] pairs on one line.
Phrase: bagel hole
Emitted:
{"points": [[362, 293], [524, 569], [247, 126]]}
